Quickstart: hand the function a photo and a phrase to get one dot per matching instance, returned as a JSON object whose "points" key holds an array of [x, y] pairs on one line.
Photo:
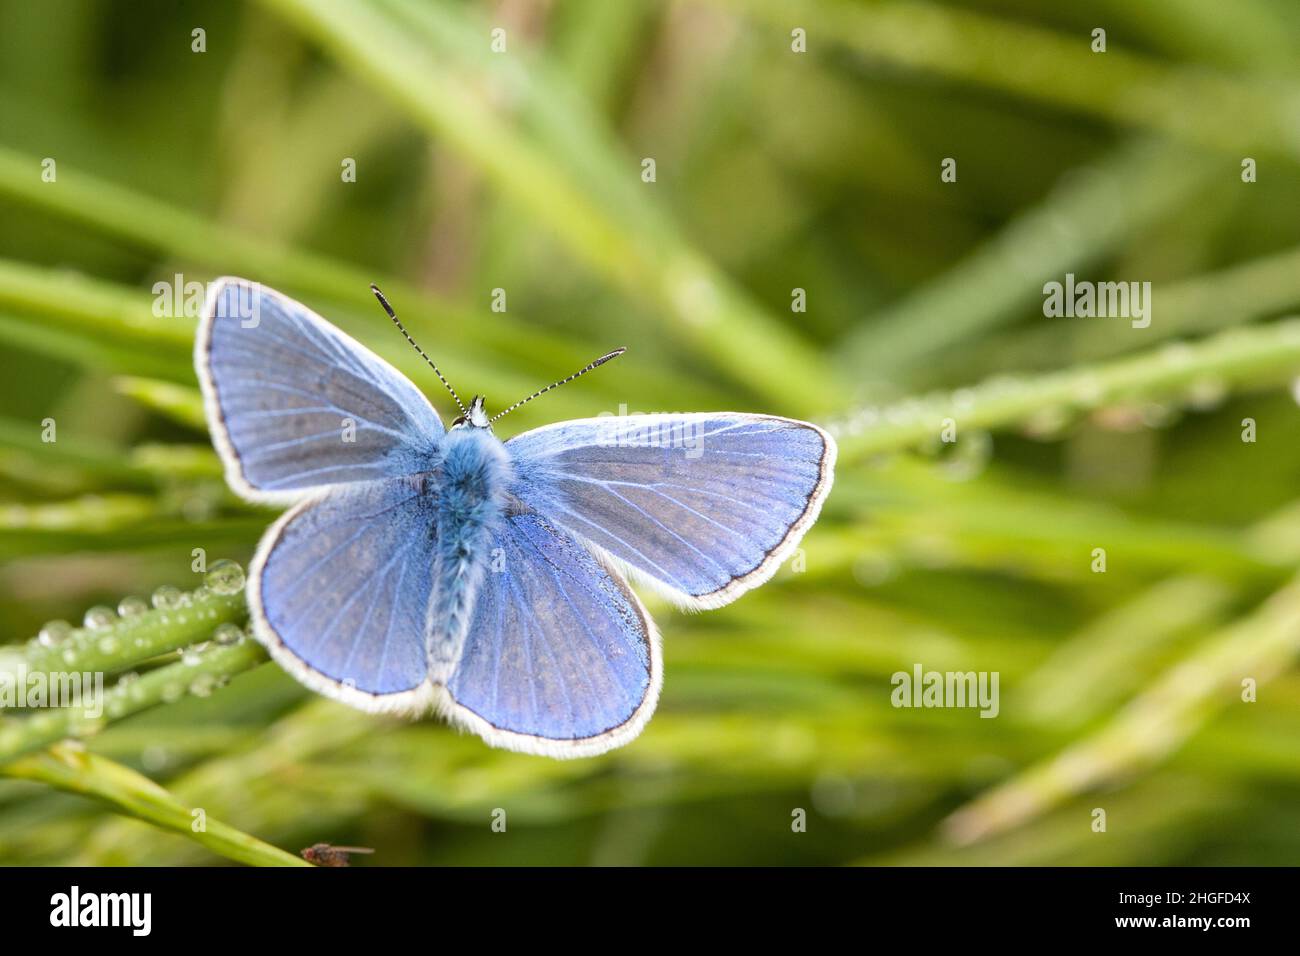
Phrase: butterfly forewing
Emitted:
{"points": [[704, 506], [295, 404]]}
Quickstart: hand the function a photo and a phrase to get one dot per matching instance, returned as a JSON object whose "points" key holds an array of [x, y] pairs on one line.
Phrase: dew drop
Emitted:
{"points": [[172, 692], [227, 634], [225, 577], [1207, 394], [873, 569], [1088, 391], [131, 606], [963, 400], [969, 456], [1049, 422], [833, 795], [54, 633], [99, 617], [166, 597], [109, 645], [1177, 354], [83, 725], [199, 507], [1158, 415], [155, 758]]}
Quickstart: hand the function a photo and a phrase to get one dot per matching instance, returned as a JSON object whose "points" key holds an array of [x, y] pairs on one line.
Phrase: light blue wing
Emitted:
{"points": [[294, 404], [560, 657], [339, 592], [703, 507]]}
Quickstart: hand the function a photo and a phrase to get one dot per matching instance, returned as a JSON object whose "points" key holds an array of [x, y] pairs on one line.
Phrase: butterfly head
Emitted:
{"points": [[475, 416]]}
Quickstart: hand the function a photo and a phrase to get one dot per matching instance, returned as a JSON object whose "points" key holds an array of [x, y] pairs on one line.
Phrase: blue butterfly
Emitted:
{"points": [[427, 570]]}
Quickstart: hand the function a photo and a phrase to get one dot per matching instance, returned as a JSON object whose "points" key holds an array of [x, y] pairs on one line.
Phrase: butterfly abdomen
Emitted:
{"points": [[472, 486]]}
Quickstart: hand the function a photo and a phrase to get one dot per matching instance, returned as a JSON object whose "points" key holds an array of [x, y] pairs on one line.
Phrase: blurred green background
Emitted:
{"points": [[775, 170]]}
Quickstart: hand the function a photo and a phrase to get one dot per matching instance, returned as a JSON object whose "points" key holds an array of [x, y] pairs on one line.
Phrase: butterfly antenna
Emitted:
{"points": [[401, 328], [564, 381]]}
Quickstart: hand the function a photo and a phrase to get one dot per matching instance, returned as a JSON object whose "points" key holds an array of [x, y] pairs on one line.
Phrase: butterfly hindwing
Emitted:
{"points": [[701, 506], [294, 404], [339, 592], [560, 657]]}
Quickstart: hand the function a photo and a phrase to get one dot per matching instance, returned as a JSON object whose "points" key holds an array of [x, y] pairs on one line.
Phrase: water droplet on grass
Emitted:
{"points": [[225, 577], [100, 616], [54, 633], [131, 605], [228, 634], [154, 758], [166, 597]]}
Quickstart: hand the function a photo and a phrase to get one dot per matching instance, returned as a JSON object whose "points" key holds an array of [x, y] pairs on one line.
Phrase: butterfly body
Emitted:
{"points": [[472, 481], [427, 570]]}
